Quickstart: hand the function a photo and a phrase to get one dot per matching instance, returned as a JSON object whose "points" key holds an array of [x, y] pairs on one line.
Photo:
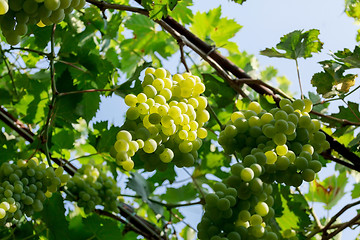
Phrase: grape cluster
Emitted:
{"points": [[25, 186], [90, 186], [239, 208], [281, 145], [164, 122], [289, 138], [17, 15]]}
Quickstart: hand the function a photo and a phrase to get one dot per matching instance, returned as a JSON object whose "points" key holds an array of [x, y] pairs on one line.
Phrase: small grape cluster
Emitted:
{"points": [[281, 145], [25, 186], [166, 120], [17, 15], [90, 186], [238, 208]]}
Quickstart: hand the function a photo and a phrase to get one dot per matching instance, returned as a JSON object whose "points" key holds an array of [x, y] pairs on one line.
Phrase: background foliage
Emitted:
{"points": [[53, 82]]}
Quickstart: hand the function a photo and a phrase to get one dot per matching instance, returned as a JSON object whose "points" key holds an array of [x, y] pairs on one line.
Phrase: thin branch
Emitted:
{"points": [[356, 116], [298, 75], [117, 218], [338, 98], [182, 55], [72, 65], [328, 156], [342, 227], [86, 91], [147, 228], [30, 50], [195, 183], [333, 219], [211, 110], [260, 82], [11, 75], [167, 205], [104, 5], [343, 122]]}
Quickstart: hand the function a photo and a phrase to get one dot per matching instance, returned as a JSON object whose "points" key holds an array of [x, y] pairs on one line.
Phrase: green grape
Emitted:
{"points": [[247, 174], [255, 219], [150, 146], [298, 104], [301, 163], [160, 73], [52, 4], [283, 102], [262, 209], [270, 157], [280, 139], [167, 155], [128, 165], [223, 204], [308, 175]]}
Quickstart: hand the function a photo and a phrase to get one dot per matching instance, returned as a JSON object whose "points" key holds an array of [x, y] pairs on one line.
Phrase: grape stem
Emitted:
{"points": [[182, 55], [167, 205], [298, 75], [333, 219], [11, 75], [343, 122]]}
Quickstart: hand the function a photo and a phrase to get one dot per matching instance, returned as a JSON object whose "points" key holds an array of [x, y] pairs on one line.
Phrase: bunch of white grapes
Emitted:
{"points": [[25, 186], [91, 186], [164, 122], [282, 146], [17, 15]]}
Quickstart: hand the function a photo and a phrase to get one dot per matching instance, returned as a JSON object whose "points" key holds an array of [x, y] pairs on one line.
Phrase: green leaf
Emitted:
{"points": [[186, 192], [54, 218], [139, 184], [351, 59], [88, 105], [350, 113], [188, 233], [126, 88], [297, 44], [102, 228], [355, 193], [323, 82], [103, 137], [329, 191], [63, 138], [182, 13], [269, 73], [214, 29], [239, 1]]}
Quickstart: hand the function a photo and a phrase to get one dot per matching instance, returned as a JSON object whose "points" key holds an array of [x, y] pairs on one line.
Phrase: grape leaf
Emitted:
{"points": [[239, 1], [329, 191], [54, 218], [355, 193], [351, 59], [103, 137], [88, 105], [182, 12], [214, 29], [102, 228], [139, 184], [351, 112], [186, 192], [297, 44], [323, 82]]}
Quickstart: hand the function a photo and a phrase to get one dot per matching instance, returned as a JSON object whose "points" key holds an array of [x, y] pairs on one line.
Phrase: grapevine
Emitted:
{"points": [[164, 122], [281, 146], [25, 186]]}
